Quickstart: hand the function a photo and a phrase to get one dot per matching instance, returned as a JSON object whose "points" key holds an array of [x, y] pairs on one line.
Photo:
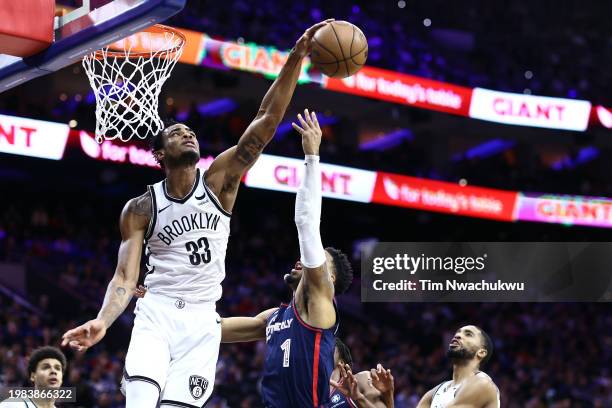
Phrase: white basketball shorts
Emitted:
{"points": [[175, 345]]}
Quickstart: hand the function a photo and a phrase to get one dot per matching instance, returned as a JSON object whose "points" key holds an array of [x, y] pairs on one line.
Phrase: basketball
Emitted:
{"points": [[339, 49]]}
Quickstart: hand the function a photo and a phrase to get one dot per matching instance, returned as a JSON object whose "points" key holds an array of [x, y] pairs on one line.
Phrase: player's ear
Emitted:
{"points": [[32, 376], [482, 353], [329, 267], [159, 155]]}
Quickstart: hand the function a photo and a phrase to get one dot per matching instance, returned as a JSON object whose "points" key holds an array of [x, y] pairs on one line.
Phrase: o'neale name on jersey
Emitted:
{"points": [[285, 324], [191, 222]]}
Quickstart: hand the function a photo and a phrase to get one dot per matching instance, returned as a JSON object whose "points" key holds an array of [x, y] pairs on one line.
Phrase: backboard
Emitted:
{"points": [[93, 24]]}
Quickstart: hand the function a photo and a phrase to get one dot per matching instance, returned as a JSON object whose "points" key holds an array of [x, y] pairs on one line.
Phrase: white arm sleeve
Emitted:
{"points": [[308, 214]]}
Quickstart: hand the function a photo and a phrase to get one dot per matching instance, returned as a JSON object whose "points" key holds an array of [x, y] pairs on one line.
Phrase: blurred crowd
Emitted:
{"points": [[546, 355]]}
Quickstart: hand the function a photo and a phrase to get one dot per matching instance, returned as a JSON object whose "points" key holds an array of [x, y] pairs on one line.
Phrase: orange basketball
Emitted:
{"points": [[339, 49]]}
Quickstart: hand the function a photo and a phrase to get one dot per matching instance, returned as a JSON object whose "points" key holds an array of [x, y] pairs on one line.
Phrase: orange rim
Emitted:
{"points": [[154, 29]]}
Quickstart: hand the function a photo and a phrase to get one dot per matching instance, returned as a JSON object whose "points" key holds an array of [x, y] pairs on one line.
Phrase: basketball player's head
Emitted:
{"points": [[342, 354], [336, 263], [470, 343], [175, 146], [46, 367]]}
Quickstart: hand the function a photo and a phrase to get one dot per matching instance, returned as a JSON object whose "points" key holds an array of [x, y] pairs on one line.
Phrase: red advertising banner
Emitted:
{"points": [[404, 89], [439, 196], [112, 151]]}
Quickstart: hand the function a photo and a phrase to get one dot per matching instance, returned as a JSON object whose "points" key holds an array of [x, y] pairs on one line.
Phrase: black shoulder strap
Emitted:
{"points": [[153, 219], [437, 388]]}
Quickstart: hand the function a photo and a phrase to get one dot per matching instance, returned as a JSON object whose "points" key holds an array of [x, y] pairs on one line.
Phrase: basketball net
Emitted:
{"points": [[127, 77]]}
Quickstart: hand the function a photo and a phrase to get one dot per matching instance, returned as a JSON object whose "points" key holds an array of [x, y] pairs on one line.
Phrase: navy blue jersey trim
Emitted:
{"points": [[188, 196], [317, 329], [153, 220], [302, 322], [214, 198]]}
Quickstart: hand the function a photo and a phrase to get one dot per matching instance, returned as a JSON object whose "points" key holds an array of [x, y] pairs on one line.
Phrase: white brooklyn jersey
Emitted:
{"points": [[446, 392], [185, 243]]}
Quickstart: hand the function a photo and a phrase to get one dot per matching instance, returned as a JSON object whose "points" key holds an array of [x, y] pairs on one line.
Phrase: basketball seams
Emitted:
{"points": [[331, 53], [365, 47], [352, 41], [341, 50], [360, 51]]}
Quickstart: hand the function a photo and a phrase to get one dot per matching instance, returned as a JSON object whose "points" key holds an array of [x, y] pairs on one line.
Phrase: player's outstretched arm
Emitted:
{"points": [[241, 329], [476, 393], [226, 171], [317, 279], [425, 402], [134, 220]]}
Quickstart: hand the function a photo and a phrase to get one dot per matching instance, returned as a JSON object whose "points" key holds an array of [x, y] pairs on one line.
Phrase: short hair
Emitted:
{"points": [[487, 344], [43, 353], [157, 140], [343, 352], [344, 271]]}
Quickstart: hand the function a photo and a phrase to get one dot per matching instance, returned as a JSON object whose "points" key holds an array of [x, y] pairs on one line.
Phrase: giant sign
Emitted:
{"points": [[35, 138], [569, 210], [529, 110], [284, 174]]}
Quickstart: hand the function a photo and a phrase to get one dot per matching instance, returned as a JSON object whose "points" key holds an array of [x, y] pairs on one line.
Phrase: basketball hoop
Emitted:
{"points": [[127, 77]]}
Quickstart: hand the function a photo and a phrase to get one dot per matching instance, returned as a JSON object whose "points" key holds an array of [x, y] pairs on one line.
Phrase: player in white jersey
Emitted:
{"points": [[46, 368], [469, 349], [184, 220]]}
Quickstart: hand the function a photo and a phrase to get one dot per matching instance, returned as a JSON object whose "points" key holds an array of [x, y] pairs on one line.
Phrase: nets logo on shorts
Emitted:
{"points": [[197, 386]]}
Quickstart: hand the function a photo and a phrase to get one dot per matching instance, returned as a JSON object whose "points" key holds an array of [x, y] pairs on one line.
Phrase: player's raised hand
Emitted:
{"points": [[85, 336], [382, 379], [304, 44], [348, 386], [310, 131]]}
